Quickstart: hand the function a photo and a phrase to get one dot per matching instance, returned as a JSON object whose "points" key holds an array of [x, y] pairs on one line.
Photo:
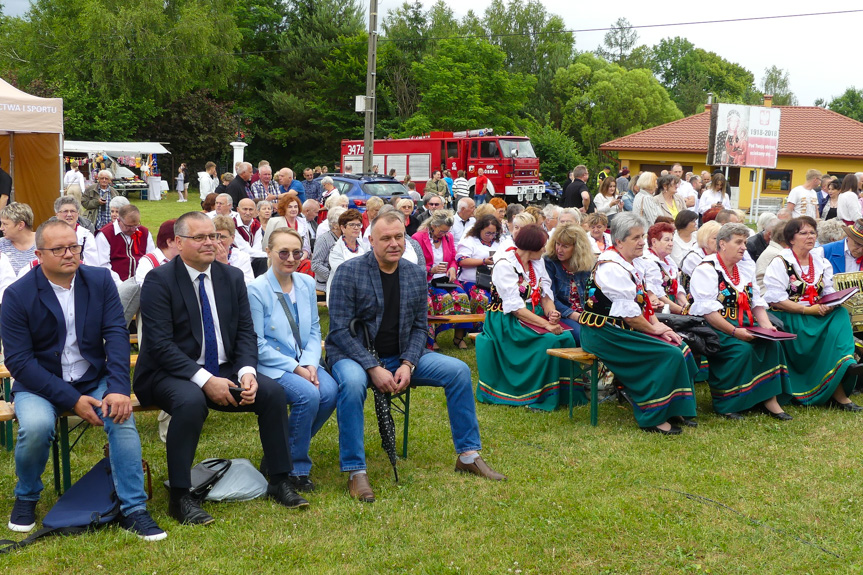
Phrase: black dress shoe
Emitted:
{"points": [[187, 510], [656, 429], [781, 416], [731, 415], [685, 421], [850, 406], [284, 493], [302, 483]]}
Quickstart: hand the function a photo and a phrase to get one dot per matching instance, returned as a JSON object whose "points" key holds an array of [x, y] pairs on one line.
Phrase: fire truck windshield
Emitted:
{"points": [[517, 148]]}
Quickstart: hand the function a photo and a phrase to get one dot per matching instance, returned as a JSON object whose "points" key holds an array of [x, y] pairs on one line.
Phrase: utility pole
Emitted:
{"points": [[370, 104]]}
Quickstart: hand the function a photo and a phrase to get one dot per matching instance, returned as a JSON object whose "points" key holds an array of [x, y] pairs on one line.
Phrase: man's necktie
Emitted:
{"points": [[211, 346]]}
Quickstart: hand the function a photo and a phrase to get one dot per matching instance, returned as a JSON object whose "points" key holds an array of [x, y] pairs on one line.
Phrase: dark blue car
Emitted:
{"points": [[359, 188]]}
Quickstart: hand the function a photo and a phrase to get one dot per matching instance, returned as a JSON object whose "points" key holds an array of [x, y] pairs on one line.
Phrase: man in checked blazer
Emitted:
{"points": [[389, 295]]}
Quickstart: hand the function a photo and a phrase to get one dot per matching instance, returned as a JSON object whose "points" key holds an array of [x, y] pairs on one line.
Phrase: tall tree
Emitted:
{"points": [[484, 94], [689, 73], [534, 41], [777, 82], [850, 104], [603, 101], [618, 43]]}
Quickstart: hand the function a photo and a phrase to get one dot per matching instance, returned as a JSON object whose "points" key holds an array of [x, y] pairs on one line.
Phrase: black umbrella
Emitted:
{"points": [[386, 425]]}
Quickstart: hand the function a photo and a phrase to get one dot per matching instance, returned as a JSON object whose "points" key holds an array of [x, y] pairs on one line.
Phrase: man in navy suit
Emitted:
{"points": [[199, 352], [847, 255], [67, 347], [389, 295]]}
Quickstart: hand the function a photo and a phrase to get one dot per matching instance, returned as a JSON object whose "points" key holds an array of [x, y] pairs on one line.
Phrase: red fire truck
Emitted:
{"points": [[509, 162]]}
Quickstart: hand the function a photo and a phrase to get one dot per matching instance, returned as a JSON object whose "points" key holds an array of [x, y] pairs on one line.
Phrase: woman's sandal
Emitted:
{"points": [[459, 342]]}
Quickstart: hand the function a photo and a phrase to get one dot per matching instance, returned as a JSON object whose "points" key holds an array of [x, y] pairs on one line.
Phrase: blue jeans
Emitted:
{"points": [[36, 423], [310, 408], [433, 369], [480, 198]]}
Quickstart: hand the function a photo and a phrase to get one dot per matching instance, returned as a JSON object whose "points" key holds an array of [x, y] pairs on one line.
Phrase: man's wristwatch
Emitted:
{"points": [[411, 366]]}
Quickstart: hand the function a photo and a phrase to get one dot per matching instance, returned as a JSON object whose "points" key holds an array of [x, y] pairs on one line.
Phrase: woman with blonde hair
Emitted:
{"points": [[518, 222], [706, 237], [596, 225], [644, 205], [568, 261]]}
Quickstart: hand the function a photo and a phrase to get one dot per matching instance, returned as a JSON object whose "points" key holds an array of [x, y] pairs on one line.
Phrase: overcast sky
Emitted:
{"points": [[820, 52]]}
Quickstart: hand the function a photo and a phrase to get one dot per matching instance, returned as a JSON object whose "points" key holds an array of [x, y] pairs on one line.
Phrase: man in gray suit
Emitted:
{"points": [[388, 294]]}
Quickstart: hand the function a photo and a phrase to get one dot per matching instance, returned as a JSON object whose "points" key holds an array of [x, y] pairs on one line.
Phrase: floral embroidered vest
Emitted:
{"points": [[495, 303], [796, 286], [728, 295], [598, 303]]}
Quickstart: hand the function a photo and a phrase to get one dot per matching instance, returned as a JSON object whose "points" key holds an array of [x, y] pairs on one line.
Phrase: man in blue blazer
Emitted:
{"points": [[199, 345], [68, 349], [389, 295], [847, 255]]}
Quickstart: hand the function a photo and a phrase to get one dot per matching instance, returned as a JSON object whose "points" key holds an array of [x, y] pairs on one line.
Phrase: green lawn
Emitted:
{"points": [[579, 499]]}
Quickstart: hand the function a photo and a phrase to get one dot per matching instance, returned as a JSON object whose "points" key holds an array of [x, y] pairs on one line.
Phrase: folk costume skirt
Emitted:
{"points": [[446, 302], [818, 359], [744, 374], [657, 374], [514, 368]]}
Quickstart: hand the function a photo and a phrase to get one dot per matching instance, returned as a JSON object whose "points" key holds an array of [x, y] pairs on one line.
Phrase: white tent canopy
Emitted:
{"points": [[31, 134], [21, 112], [114, 148]]}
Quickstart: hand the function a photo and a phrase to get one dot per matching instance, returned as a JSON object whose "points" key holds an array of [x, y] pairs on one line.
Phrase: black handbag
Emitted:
{"points": [[483, 277], [206, 474]]}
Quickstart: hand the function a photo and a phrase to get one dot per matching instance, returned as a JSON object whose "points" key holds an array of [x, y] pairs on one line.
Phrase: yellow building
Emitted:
{"points": [[809, 137]]}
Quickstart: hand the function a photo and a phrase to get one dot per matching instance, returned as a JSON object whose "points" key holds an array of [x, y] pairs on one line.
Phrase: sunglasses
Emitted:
{"points": [[285, 254]]}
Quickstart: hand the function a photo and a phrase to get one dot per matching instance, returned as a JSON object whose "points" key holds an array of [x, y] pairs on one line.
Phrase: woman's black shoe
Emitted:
{"points": [[685, 421], [731, 415], [655, 429], [850, 406], [781, 416]]}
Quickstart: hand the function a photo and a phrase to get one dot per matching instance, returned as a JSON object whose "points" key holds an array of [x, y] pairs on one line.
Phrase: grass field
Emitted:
{"points": [[757, 496]]}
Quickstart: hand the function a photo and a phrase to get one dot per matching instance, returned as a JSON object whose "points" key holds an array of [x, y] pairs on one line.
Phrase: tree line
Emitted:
{"points": [[283, 75]]}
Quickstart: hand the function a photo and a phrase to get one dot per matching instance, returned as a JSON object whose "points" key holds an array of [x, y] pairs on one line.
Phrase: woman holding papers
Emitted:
{"points": [[619, 326], [822, 356], [749, 372], [511, 358]]}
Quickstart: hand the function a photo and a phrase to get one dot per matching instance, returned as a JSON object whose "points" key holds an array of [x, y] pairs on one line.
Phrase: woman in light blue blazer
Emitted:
{"points": [[311, 392]]}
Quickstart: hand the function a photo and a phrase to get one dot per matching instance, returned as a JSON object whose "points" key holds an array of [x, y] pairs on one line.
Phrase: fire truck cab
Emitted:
{"points": [[509, 162]]}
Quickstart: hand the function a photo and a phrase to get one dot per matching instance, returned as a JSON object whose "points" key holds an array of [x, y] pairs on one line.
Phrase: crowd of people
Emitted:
{"points": [[226, 303]]}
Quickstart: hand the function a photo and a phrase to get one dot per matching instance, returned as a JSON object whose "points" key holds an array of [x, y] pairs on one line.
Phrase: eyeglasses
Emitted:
{"points": [[60, 252], [354, 225], [285, 254], [64, 212], [201, 238], [435, 205]]}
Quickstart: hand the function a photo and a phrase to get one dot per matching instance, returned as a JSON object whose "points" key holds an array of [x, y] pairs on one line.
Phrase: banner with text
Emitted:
{"points": [[743, 136]]}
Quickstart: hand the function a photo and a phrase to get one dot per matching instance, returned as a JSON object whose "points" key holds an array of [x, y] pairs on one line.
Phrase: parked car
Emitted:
{"points": [[360, 187]]}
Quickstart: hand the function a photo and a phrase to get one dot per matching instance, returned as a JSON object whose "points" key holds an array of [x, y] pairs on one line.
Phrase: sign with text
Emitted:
{"points": [[743, 136]]}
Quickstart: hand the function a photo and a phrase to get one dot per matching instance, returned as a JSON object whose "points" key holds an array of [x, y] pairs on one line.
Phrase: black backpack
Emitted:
{"points": [[89, 504]]}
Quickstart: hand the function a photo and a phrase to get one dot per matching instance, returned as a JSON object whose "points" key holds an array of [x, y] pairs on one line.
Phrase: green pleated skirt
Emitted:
{"points": [[819, 357], [657, 375], [514, 368], [744, 374]]}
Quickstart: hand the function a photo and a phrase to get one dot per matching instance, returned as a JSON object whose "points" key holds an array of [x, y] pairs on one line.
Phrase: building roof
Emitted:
{"points": [[804, 131]]}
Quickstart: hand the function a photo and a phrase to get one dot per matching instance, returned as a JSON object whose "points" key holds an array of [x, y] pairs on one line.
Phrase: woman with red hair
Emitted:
{"points": [[660, 271]]}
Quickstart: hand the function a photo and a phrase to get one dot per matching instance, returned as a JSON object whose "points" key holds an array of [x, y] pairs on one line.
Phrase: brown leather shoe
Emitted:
{"points": [[359, 488], [479, 467]]}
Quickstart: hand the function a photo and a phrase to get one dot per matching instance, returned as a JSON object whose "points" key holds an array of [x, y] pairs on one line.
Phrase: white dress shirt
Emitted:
{"points": [[72, 363], [686, 191], [202, 375], [460, 226], [86, 239]]}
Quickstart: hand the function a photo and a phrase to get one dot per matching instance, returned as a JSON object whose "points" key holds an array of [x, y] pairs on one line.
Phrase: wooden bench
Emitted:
{"points": [[577, 355], [322, 297], [465, 318]]}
